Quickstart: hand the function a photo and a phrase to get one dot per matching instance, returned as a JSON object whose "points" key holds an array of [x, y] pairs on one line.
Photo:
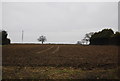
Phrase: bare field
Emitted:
{"points": [[77, 60]]}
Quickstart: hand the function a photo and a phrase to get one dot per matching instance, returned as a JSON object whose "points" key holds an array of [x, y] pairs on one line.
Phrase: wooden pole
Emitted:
{"points": [[22, 35]]}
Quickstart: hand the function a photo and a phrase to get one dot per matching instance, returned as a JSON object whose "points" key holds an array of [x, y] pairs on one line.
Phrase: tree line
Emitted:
{"points": [[104, 37]]}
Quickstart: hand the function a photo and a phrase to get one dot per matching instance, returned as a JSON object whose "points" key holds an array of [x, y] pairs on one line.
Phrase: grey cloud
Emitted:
{"points": [[60, 22]]}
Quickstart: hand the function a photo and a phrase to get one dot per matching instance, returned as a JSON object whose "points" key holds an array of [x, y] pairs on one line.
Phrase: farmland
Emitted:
{"points": [[50, 61]]}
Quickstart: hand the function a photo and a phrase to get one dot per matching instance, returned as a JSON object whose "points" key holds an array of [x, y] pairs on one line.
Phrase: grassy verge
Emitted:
{"points": [[57, 73]]}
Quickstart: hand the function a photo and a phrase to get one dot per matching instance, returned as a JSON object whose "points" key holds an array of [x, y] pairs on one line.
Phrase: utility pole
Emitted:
{"points": [[22, 35]]}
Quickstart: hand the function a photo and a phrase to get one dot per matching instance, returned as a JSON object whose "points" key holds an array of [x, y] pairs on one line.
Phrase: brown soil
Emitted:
{"points": [[76, 56]]}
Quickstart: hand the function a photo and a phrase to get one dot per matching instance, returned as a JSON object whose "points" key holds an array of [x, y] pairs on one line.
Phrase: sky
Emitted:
{"points": [[60, 22]]}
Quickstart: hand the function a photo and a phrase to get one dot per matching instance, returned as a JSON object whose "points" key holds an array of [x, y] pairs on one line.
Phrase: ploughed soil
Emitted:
{"points": [[73, 58]]}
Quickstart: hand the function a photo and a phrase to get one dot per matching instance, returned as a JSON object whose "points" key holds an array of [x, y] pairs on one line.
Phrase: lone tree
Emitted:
{"points": [[42, 39]]}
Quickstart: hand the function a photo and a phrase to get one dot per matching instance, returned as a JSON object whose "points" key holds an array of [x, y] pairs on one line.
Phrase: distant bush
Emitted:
{"points": [[3, 38], [105, 37]]}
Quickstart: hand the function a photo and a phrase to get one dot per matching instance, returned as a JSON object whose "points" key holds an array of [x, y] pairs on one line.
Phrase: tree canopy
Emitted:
{"points": [[105, 37], [42, 39], [3, 37]]}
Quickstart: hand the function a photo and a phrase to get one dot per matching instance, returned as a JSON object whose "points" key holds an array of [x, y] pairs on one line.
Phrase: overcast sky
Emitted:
{"points": [[60, 22]]}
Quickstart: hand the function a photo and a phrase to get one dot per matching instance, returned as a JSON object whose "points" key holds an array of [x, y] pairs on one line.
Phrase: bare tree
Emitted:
{"points": [[42, 39], [84, 41], [87, 37]]}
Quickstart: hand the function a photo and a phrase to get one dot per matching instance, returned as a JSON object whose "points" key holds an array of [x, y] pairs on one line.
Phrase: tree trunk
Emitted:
{"points": [[42, 42]]}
